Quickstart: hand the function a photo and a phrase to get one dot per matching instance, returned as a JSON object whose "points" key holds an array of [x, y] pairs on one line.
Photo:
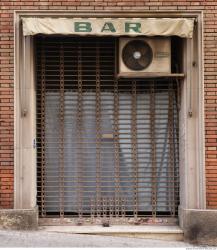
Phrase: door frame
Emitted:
{"points": [[192, 133]]}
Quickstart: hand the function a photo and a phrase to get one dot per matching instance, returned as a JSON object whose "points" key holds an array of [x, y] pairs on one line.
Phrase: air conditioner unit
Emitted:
{"points": [[144, 55]]}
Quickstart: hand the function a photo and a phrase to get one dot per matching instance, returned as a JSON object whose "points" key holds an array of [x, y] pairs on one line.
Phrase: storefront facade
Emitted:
{"points": [[114, 115]]}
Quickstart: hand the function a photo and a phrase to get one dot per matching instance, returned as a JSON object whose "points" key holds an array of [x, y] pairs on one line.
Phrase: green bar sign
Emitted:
{"points": [[107, 27]]}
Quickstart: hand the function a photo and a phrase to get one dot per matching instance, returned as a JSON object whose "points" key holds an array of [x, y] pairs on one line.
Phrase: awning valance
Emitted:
{"points": [[182, 27]]}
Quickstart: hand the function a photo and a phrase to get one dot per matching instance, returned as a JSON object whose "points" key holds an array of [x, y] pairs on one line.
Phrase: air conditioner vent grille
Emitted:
{"points": [[137, 55]]}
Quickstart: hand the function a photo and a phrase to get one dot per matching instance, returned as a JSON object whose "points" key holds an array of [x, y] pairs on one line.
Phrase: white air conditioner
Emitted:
{"points": [[144, 55]]}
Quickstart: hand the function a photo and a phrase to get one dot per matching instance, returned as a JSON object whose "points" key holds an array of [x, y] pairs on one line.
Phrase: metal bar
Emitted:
{"points": [[92, 209], [134, 146], [153, 149], [104, 208], [123, 207], [79, 126], [176, 126], [61, 132], [111, 208], [42, 128], [116, 148], [98, 134], [171, 166]]}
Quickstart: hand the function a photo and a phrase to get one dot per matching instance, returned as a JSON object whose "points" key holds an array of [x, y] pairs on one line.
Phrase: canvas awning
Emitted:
{"points": [[182, 27]]}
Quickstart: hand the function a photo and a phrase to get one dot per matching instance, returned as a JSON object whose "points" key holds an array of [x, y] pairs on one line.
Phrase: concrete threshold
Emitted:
{"points": [[172, 233]]}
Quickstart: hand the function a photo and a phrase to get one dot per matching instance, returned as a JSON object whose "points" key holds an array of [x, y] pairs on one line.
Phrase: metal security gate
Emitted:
{"points": [[106, 148]]}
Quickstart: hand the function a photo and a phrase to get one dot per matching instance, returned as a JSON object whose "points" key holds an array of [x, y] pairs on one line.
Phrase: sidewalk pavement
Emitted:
{"points": [[41, 238]]}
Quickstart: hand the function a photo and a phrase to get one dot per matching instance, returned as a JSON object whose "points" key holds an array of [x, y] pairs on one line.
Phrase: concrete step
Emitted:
{"points": [[172, 233]]}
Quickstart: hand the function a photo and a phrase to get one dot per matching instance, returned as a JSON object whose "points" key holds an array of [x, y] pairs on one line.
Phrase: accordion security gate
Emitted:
{"points": [[106, 148]]}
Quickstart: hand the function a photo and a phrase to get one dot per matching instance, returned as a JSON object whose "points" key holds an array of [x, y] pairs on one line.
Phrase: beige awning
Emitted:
{"points": [[182, 27]]}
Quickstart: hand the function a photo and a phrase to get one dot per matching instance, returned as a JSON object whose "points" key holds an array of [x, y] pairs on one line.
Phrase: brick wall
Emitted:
{"points": [[6, 75]]}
